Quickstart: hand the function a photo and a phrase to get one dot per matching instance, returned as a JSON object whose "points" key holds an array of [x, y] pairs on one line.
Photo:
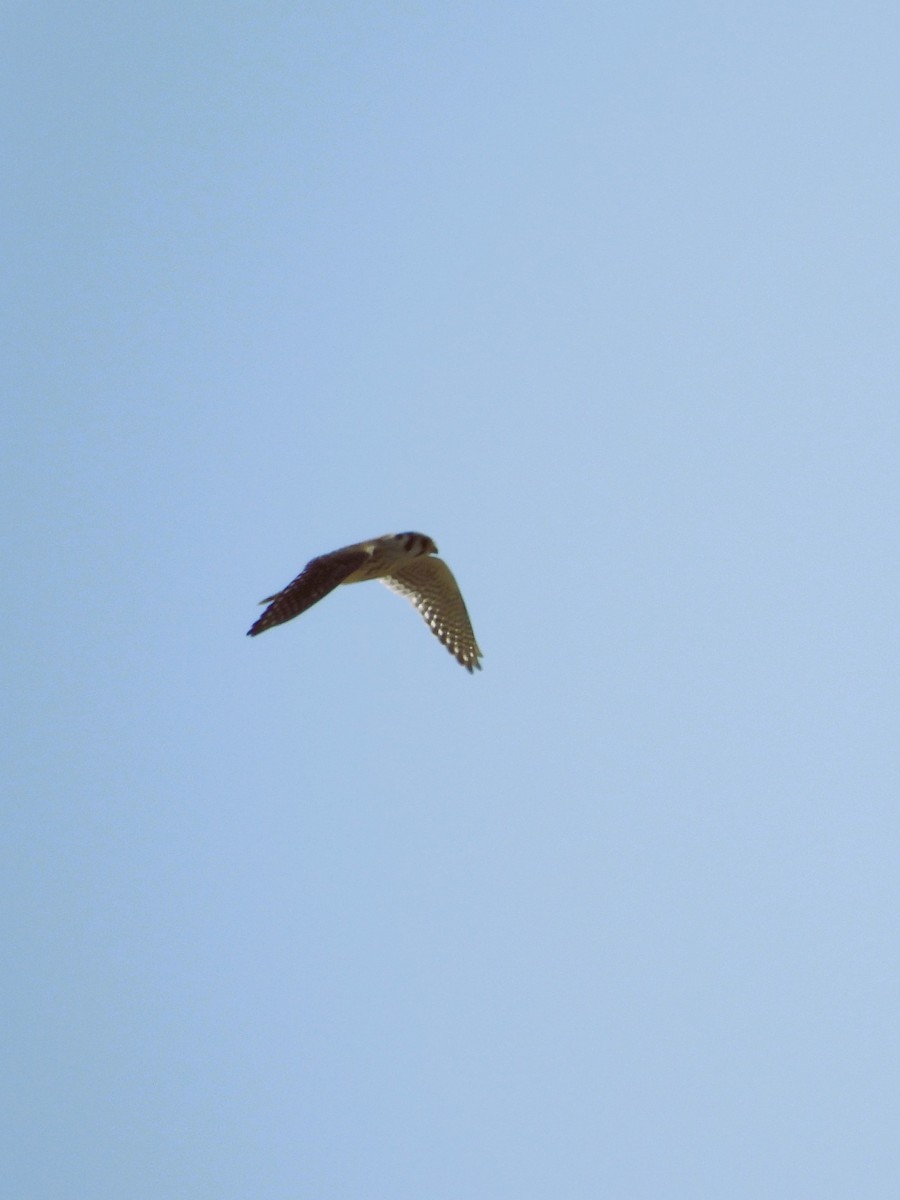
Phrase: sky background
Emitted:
{"points": [[605, 299]]}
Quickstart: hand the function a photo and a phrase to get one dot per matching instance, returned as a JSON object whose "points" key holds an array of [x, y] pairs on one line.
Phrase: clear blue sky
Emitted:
{"points": [[605, 299]]}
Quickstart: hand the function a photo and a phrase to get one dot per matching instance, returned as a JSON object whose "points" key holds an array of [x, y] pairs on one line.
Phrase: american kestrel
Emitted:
{"points": [[402, 561]]}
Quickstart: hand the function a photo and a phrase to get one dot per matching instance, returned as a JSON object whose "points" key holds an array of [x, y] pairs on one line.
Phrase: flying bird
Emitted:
{"points": [[403, 561]]}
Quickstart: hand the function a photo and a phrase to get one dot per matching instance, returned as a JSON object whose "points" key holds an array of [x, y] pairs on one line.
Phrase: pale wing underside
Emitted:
{"points": [[316, 580], [429, 584]]}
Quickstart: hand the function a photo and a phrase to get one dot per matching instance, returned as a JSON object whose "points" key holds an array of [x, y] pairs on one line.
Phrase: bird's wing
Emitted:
{"points": [[319, 577], [428, 582]]}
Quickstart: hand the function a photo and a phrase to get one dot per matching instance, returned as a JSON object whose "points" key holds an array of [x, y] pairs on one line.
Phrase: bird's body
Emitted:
{"points": [[403, 561]]}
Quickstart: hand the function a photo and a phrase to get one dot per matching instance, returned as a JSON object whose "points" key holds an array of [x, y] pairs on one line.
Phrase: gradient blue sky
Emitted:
{"points": [[604, 298]]}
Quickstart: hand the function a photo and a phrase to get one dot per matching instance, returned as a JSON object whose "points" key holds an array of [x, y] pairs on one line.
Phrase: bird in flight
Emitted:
{"points": [[403, 561]]}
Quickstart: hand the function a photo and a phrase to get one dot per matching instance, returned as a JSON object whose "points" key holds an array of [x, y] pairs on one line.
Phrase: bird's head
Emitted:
{"points": [[416, 543]]}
